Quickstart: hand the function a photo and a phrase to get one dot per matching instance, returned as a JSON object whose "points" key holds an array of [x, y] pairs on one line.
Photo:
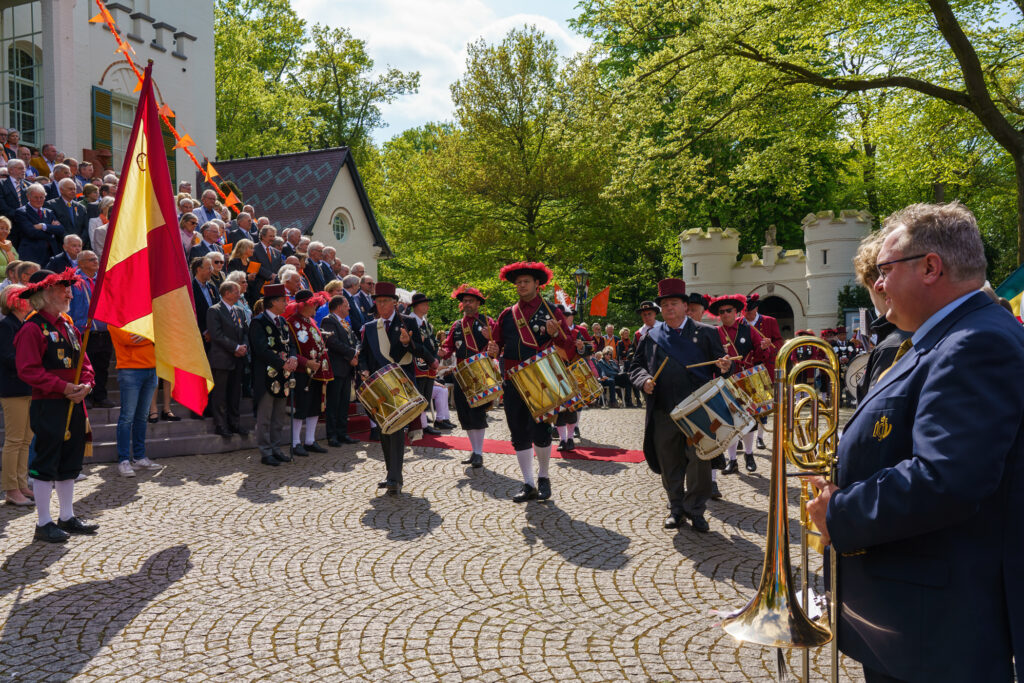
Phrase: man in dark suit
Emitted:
{"points": [[60, 172], [68, 258], [364, 297], [268, 258], [203, 292], [12, 190], [229, 340], [292, 237], [350, 284], [927, 513], [208, 244], [330, 254], [242, 230], [677, 342], [343, 351], [39, 232], [314, 276], [392, 338], [71, 214]]}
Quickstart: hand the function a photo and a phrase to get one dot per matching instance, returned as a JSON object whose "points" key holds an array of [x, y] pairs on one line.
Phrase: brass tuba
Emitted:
{"points": [[806, 436]]}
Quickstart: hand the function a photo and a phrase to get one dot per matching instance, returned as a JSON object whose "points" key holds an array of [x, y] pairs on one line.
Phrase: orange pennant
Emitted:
{"points": [[165, 111], [231, 200], [97, 19], [185, 141], [211, 172], [138, 87]]}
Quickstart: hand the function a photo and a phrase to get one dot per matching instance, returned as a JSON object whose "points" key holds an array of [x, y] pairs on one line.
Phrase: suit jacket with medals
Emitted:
{"points": [[268, 342]]}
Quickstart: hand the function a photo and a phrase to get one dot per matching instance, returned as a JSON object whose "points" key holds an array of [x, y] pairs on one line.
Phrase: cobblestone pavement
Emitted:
{"points": [[217, 568]]}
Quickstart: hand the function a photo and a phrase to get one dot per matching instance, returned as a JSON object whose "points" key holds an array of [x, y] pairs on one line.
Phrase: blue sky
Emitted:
{"points": [[430, 36]]}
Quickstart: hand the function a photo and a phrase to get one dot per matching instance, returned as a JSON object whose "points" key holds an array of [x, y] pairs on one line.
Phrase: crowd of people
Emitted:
{"points": [[920, 516]]}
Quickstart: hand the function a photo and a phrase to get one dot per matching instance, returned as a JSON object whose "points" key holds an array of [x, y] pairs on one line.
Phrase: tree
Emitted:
{"points": [[963, 55]]}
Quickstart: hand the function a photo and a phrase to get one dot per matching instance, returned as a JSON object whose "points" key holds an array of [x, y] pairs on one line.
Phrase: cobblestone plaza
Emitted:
{"points": [[216, 568]]}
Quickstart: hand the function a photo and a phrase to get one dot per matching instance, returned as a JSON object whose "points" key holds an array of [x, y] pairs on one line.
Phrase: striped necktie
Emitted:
{"points": [[902, 351]]}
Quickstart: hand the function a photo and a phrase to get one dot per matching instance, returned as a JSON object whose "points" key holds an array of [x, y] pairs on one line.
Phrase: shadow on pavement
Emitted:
{"points": [[404, 517], [578, 542], [64, 630]]}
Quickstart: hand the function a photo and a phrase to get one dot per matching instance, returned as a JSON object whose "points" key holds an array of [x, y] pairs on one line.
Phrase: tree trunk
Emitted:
{"points": [[1018, 166], [939, 192], [870, 180]]}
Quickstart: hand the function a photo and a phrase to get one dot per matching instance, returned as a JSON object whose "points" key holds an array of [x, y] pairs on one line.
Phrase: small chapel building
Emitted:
{"points": [[319, 192], [800, 287]]}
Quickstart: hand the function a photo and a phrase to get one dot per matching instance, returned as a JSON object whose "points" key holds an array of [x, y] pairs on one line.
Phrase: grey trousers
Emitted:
{"points": [[679, 463], [271, 423]]}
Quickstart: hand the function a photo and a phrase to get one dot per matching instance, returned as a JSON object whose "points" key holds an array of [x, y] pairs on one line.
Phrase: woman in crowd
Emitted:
{"points": [[241, 278], [625, 354], [7, 251], [608, 370], [11, 275], [136, 378], [90, 193], [239, 260], [15, 396], [98, 227], [187, 227]]}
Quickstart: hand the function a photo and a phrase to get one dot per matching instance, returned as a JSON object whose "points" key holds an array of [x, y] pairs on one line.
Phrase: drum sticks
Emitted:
{"points": [[709, 362]]}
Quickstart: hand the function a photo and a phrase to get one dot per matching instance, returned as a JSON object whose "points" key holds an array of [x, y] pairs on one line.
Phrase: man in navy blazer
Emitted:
{"points": [[71, 214], [40, 234], [928, 515]]}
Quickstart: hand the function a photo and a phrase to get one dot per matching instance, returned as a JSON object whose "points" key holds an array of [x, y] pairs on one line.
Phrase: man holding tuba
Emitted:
{"points": [[928, 512]]}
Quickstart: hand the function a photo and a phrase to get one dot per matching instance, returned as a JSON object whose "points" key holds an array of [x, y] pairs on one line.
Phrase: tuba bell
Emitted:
{"points": [[806, 437]]}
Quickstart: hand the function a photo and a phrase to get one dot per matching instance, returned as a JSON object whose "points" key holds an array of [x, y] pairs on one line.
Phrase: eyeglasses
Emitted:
{"points": [[218, 263], [884, 274]]}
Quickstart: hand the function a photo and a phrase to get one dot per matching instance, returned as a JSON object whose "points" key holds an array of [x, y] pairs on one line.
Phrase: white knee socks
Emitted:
{"points": [[564, 432], [42, 491], [296, 431], [543, 459], [66, 498], [748, 445], [525, 458], [476, 440], [311, 429]]}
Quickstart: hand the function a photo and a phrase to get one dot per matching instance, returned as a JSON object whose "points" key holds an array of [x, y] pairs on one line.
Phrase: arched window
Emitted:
{"points": [[341, 225], [23, 93]]}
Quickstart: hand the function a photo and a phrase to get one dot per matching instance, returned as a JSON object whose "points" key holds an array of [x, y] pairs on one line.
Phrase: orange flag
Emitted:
{"points": [[211, 172], [144, 286], [166, 111], [185, 141], [231, 200], [599, 304]]}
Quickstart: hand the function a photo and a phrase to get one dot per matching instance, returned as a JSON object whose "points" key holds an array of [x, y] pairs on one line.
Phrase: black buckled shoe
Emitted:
{"points": [[576, 432], [77, 527], [334, 443], [314, 448], [270, 460], [349, 440], [699, 523], [50, 533], [382, 484], [432, 431], [543, 488], [570, 445], [282, 457], [299, 451], [561, 446], [731, 468], [474, 460], [760, 443], [748, 459], [393, 487], [672, 522], [715, 493], [718, 462], [526, 493]]}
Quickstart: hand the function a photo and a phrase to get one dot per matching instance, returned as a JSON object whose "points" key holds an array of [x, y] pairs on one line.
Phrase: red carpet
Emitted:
{"points": [[359, 426]]}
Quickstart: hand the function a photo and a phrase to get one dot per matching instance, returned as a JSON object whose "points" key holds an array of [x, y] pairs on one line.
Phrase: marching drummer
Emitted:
{"points": [[740, 339], [659, 368], [391, 338], [467, 337], [310, 397], [769, 328], [524, 330], [568, 421]]}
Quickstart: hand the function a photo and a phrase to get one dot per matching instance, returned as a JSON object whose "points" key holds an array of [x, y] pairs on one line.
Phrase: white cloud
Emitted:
{"points": [[430, 36]]}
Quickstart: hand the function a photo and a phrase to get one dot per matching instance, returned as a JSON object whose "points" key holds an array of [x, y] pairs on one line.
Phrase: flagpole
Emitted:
{"points": [[78, 376]]}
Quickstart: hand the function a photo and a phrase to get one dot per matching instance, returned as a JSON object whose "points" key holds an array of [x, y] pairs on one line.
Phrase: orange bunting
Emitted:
{"points": [[185, 141], [231, 199], [138, 87], [165, 111], [211, 172], [97, 19]]}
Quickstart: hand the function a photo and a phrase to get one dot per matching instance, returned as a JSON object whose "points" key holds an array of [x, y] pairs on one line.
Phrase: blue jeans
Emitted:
{"points": [[137, 386]]}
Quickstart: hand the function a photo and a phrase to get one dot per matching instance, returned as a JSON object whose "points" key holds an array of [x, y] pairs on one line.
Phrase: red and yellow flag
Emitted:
{"points": [[144, 285]]}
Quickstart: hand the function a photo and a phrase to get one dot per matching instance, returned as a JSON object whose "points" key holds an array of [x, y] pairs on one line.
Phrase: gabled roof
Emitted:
{"points": [[290, 189]]}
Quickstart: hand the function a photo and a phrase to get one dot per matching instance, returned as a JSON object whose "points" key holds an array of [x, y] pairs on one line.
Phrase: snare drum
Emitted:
{"points": [[391, 399], [712, 417], [545, 385], [590, 387], [756, 387], [479, 379]]}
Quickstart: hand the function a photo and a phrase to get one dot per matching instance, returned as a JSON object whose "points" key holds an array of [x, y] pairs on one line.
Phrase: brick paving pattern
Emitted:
{"points": [[217, 568]]}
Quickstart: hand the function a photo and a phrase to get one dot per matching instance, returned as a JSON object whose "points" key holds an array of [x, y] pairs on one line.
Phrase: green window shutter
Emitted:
{"points": [[102, 134], [169, 143]]}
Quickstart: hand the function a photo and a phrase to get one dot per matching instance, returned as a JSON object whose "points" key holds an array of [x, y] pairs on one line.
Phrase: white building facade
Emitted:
{"points": [[64, 84], [800, 287]]}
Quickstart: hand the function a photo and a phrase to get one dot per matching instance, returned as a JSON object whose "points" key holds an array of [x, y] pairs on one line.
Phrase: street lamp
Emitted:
{"points": [[582, 279]]}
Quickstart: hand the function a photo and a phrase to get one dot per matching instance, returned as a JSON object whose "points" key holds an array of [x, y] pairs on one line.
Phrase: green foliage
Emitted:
{"points": [[852, 296], [284, 87]]}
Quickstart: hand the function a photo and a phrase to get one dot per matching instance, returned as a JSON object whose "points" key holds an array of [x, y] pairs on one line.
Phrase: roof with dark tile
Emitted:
{"points": [[291, 189]]}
